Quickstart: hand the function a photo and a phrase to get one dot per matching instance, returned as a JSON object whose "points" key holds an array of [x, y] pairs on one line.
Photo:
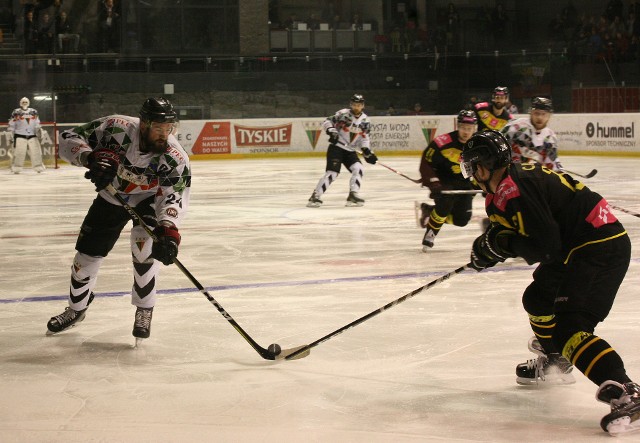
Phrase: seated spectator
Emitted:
{"points": [[30, 33], [45, 34], [313, 22], [416, 110], [109, 27], [66, 36]]}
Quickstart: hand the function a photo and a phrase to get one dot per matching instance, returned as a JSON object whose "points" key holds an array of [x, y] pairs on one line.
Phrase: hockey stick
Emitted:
{"points": [[589, 175], [268, 354], [625, 210], [390, 305], [415, 180]]}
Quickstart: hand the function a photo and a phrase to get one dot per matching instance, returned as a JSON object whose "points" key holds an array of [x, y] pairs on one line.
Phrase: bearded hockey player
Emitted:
{"points": [[532, 141], [440, 170], [144, 162], [494, 115], [348, 129], [583, 253], [24, 130]]}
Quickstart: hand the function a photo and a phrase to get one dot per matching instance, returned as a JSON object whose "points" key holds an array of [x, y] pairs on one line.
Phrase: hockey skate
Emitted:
{"points": [[552, 369], [625, 407], [423, 211], [354, 199], [427, 240], [142, 323], [314, 201], [68, 319]]}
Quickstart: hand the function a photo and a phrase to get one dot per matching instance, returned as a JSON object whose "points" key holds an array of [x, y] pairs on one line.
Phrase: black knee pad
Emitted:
{"points": [[538, 300]]}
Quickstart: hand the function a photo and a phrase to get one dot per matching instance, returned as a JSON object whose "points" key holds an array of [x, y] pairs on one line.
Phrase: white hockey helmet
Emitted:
{"points": [[24, 102]]}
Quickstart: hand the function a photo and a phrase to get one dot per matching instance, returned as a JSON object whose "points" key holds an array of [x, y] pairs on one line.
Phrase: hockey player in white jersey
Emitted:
{"points": [[145, 163], [531, 140], [24, 130], [348, 129]]}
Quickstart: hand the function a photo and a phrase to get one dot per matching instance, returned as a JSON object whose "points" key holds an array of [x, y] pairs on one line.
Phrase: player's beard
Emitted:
{"points": [[158, 146], [498, 105]]}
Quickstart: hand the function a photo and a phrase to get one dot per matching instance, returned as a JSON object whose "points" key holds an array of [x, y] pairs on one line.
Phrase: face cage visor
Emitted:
{"points": [[468, 169]]}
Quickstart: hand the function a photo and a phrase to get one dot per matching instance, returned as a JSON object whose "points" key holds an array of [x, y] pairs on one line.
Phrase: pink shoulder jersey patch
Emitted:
{"points": [[442, 140], [601, 215], [505, 192]]}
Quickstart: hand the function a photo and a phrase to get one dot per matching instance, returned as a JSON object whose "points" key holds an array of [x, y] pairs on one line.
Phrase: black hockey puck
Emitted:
{"points": [[274, 349]]}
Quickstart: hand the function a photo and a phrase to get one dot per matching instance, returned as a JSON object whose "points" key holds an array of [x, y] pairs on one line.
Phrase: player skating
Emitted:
{"points": [[24, 130], [583, 253], [348, 129], [532, 141], [440, 170], [494, 115], [147, 166]]}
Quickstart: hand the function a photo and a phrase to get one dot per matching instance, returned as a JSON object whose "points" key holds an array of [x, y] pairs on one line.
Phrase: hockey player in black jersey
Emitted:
{"points": [[494, 115], [440, 170], [583, 253]]}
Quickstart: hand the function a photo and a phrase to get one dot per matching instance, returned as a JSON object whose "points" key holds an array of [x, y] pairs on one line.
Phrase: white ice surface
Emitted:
{"points": [[438, 367]]}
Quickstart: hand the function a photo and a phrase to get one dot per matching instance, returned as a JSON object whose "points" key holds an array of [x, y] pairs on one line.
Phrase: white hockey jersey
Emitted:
{"points": [[531, 145], [24, 122], [353, 131], [140, 175]]}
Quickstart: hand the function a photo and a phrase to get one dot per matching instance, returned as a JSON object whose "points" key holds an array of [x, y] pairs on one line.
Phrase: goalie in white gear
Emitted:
{"points": [[531, 140], [24, 129], [145, 163], [348, 129]]}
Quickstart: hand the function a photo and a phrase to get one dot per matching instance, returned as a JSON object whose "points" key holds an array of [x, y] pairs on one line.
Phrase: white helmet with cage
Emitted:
{"points": [[24, 103]]}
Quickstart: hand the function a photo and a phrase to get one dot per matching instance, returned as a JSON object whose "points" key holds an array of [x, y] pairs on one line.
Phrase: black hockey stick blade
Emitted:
{"points": [[589, 175], [307, 349], [264, 353]]}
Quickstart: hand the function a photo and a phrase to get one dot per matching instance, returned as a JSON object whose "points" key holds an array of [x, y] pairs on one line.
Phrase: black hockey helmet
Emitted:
{"points": [[467, 116], [356, 98], [488, 148], [501, 91], [158, 110], [542, 103]]}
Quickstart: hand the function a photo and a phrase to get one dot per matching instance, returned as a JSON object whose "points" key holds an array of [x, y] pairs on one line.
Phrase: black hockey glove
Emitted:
{"points": [[165, 249], [491, 247], [435, 187], [103, 167], [333, 135], [369, 156]]}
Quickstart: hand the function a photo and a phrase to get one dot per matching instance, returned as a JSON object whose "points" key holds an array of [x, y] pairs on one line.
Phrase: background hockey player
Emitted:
{"points": [[583, 253], [440, 170], [145, 163], [532, 141], [494, 115], [24, 129], [348, 129]]}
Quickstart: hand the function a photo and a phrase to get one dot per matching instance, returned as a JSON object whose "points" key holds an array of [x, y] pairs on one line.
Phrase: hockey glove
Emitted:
{"points": [[369, 156], [491, 247], [165, 249], [103, 167], [435, 187], [333, 135]]}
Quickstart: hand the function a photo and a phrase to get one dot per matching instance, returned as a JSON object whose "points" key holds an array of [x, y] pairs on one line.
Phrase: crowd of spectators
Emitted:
{"points": [[613, 36], [47, 28]]}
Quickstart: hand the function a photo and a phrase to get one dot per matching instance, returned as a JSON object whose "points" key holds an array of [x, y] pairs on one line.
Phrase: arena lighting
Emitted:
{"points": [[43, 97], [524, 52], [373, 57], [406, 56], [496, 53]]}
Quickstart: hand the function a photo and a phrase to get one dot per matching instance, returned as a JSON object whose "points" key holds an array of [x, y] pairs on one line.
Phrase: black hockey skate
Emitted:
{"points": [[551, 369], [354, 199], [425, 212], [625, 407], [427, 240], [142, 323], [68, 319], [314, 201]]}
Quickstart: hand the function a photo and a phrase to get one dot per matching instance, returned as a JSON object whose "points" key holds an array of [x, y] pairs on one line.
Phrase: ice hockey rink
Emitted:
{"points": [[438, 367]]}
